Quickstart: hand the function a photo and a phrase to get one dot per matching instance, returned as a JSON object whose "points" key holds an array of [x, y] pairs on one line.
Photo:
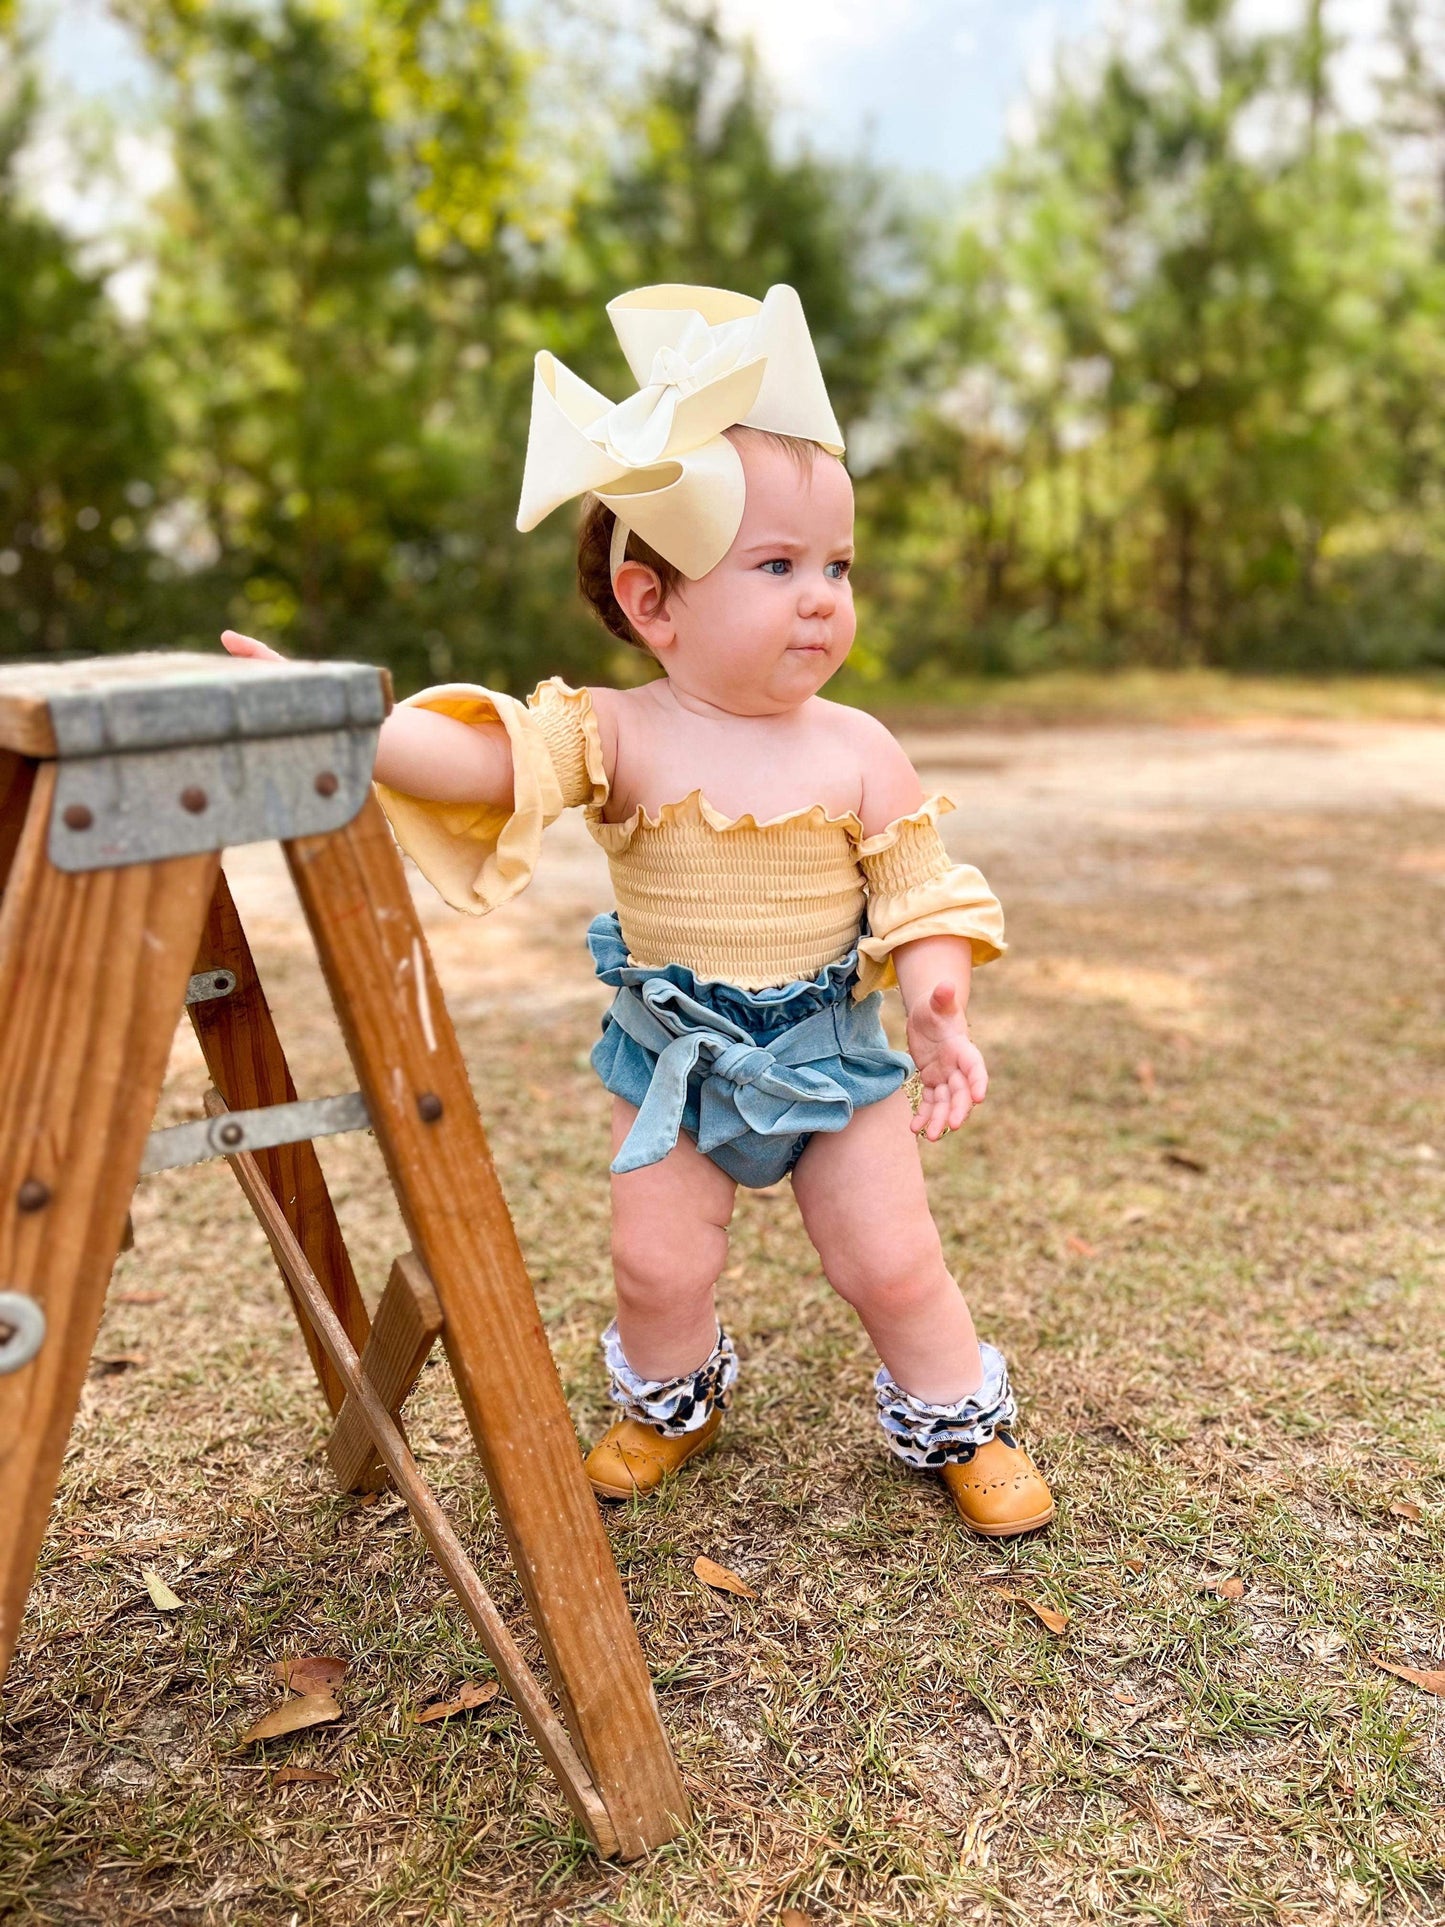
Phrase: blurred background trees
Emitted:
{"points": [[1164, 388]]}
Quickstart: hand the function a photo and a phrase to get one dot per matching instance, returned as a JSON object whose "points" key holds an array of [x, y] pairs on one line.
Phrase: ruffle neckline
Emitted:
{"points": [[695, 808]]}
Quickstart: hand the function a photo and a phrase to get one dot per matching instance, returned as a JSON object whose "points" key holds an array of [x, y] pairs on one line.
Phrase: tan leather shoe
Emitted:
{"points": [[632, 1458], [1000, 1492]]}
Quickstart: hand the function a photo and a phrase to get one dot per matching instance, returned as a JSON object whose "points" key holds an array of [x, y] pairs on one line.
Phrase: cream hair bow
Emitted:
{"points": [[705, 360]]}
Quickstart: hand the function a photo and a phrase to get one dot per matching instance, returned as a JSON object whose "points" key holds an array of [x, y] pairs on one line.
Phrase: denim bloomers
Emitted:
{"points": [[750, 1075]]}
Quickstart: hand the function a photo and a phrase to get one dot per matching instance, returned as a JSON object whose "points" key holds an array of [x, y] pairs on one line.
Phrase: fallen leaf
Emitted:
{"points": [[303, 1776], [291, 1716], [1136, 1214], [793, 1917], [1184, 1162], [313, 1674], [1055, 1621], [468, 1697], [1231, 1588], [1144, 1071], [160, 1592], [1083, 1247], [107, 1365], [1433, 1680], [1407, 1509], [1134, 1564], [712, 1574], [140, 1298]]}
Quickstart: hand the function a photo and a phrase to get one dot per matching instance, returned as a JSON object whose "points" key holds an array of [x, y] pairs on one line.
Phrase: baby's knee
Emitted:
{"points": [[649, 1269], [902, 1274]]}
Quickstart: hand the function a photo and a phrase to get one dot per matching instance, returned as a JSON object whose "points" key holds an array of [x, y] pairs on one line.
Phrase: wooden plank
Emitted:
{"points": [[243, 1053], [403, 1332], [414, 1079], [93, 971], [527, 1696]]}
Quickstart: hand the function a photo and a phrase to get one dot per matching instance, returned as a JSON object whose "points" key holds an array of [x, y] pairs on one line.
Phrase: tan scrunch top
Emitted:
{"points": [[754, 904]]}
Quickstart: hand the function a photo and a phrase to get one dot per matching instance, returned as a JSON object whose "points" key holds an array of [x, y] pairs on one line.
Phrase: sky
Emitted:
{"points": [[921, 83], [932, 85]]}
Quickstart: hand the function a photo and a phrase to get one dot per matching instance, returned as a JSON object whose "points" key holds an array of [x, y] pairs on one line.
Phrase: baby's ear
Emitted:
{"points": [[642, 599]]}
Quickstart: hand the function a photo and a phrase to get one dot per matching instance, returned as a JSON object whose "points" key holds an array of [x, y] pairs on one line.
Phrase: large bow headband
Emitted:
{"points": [[705, 360]]}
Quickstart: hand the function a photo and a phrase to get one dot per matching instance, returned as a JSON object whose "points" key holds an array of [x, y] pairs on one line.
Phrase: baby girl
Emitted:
{"points": [[776, 866]]}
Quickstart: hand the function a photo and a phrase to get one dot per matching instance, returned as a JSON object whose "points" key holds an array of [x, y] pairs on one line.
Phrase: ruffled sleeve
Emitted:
{"points": [[915, 889], [477, 855]]}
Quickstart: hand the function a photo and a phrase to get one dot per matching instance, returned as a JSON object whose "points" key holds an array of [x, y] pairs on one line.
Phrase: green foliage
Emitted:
{"points": [[81, 447], [1163, 390]]}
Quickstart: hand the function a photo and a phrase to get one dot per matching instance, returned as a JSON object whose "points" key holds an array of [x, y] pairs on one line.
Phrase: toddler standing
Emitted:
{"points": [[776, 866]]}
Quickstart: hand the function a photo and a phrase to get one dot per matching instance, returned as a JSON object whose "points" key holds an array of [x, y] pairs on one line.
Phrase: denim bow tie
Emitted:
{"points": [[745, 1086]]}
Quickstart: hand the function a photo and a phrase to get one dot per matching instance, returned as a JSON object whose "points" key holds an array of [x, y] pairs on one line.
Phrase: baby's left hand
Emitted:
{"points": [[949, 1062]]}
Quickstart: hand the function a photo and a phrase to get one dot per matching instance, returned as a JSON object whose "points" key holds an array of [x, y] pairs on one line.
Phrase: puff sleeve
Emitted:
{"points": [[478, 855], [915, 889]]}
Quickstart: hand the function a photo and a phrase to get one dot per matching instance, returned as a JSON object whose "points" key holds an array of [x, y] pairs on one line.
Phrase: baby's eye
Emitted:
{"points": [[779, 565], [837, 570]]}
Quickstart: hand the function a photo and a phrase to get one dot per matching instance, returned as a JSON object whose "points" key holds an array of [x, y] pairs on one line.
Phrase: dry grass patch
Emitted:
{"points": [[1201, 1213]]}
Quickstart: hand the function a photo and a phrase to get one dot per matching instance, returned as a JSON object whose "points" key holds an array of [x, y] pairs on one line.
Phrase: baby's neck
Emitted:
{"points": [[695, 705]]}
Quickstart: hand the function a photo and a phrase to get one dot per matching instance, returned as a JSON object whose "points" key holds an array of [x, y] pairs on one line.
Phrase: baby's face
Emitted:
{"points": [[765, 629]]}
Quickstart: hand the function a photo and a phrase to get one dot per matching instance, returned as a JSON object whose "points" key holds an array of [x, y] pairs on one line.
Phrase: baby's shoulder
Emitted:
{"points": [[890, 784]]}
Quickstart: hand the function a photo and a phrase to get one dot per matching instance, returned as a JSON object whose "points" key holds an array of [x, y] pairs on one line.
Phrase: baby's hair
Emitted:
{"points": [[594, 541]]}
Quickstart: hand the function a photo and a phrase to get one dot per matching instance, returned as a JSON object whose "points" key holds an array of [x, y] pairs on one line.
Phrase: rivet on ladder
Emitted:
{"points": [[33, 1195], [194, 800], [327, 783], [77, 817], [428, 1107]]}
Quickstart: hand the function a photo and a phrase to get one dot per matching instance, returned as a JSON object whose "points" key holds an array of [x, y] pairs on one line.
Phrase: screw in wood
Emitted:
{"points": [[428, 1107], [327, 783], [33, 1195], [77, 817], [194, 800]]}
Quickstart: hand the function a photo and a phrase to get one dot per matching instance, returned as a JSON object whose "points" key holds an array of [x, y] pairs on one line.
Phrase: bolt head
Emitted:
{"points": [[328, 783], [232, 1134], [194, 800], [428, 1107], [77, 817], [33, 1195]]}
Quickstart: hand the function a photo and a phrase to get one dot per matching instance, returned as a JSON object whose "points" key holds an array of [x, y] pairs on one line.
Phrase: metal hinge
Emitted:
{"points": [[209, 754]]}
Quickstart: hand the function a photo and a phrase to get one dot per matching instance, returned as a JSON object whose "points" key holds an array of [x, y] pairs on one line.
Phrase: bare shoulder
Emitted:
{"points": [[890, 783], [606, 706]]}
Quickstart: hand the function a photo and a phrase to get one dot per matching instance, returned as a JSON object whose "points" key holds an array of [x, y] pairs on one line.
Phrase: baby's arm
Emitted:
{"points": [[935, 973], [422, 753]]}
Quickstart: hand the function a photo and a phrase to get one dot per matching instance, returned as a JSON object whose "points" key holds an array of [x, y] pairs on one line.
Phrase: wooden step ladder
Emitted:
{"points": [[121, 781]]}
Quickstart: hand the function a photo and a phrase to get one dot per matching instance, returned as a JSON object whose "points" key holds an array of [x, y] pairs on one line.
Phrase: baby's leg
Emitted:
{"points": [[669, 1244], [865, 1207]]}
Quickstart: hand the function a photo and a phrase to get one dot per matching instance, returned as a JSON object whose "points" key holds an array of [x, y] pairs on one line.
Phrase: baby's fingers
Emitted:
{"points": [[238, 645]]}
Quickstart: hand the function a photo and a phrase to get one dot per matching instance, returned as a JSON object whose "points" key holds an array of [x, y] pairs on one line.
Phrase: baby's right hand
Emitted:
{"points": [[238, 645]]}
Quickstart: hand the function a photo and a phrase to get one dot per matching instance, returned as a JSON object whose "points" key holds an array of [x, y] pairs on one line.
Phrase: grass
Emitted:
{"points": [[1201, 1214]]}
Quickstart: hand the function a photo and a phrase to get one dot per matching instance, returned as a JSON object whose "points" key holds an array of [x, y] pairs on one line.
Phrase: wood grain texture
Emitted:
{"points": [[411, 1071], [405, 1328], [243, 1053], [93, 972], [513, 1670]]}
